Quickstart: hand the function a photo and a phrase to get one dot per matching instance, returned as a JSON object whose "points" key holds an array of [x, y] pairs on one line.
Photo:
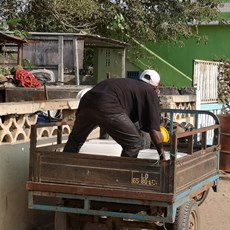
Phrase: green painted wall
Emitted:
{"points": [[149, 59], [216, 47], [173, 62], [107, 62], [170, 75]]}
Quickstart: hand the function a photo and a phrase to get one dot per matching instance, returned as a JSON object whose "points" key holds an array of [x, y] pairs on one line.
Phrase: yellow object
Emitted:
{"points": [[165, 134]]}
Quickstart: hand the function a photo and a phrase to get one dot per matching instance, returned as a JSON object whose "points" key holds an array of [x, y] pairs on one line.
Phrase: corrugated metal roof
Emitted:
{"points": [[6, 38], [90, 40], [97, 41]]}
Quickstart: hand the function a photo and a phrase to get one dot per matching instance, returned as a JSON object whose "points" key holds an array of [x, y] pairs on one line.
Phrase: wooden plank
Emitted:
{"points": [[76, 61], [33, 143], [60, 59], [123, 60]]}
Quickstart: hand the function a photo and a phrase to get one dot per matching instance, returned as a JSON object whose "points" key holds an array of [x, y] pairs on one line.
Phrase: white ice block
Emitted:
{"points": [[101, 147], [112, 148], [153, 154]]}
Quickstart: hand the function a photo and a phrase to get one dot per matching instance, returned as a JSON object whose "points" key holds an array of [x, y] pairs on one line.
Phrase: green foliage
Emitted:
{"points": [[224, 84], [157, 20], [27, 64], [5, 71], [13, 22], [22, 34], [59, 16], [152, 20], [3, 25], [15, 68]]}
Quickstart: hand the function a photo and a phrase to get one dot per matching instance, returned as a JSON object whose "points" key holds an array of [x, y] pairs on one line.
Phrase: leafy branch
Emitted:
{"points": [[224, 85]]}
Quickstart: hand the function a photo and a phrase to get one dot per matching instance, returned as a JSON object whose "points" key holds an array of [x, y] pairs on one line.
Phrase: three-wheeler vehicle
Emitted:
{"points": [[112, 192]]}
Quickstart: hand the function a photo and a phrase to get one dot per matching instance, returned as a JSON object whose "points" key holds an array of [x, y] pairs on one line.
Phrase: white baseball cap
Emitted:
{"points": [[81, 93], [150, 76]]}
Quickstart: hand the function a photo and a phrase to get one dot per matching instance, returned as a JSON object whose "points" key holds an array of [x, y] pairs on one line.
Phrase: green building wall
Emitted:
{"points": [[149, 59], [107, 63], [172, 61], [216, 47], [175, 62]]}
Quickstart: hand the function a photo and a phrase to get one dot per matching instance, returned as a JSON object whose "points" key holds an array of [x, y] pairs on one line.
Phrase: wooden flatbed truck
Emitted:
{"points": [[124, 193]]}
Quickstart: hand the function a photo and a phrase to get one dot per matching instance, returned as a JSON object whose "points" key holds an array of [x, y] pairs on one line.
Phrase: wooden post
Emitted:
{"points": [[60, 221], [123, 63], [60, 59], [33, 144], [76, 63], [20, 54]]}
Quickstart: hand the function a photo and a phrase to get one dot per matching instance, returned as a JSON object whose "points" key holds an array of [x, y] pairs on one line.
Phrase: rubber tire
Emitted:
{"points": [[187, 217], [79, 226], [202, 198], [60, 221]]}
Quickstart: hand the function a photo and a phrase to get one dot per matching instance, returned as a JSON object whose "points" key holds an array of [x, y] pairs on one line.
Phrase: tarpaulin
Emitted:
{"points": [[27, 79]]}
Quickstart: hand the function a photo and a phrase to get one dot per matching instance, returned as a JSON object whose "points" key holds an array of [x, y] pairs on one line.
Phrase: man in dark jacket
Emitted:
{"points": [[115, 105]]}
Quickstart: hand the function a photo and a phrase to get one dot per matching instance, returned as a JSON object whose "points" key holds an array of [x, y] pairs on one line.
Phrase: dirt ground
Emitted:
{"points": [[215, 211]]}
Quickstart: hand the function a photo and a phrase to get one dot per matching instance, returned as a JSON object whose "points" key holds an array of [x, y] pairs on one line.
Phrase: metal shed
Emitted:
{"points": [[10, 45], [61, 52]]}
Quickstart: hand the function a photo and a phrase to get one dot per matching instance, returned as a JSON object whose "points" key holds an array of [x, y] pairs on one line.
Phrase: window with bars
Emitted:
{"points": [[133, 74], [107, 62], [107, 58]]}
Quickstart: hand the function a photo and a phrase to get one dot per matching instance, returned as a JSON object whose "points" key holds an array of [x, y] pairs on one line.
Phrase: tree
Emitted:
{"points": [[155, 19], [8, 13], [59, 15], [140, 19]]}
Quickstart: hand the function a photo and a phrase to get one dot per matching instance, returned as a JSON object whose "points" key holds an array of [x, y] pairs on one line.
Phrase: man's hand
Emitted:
{"points": [[162, 156], [156, 138]]}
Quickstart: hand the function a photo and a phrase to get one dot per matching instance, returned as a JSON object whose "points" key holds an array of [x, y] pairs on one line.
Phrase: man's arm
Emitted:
{"points": [[156, 138]]}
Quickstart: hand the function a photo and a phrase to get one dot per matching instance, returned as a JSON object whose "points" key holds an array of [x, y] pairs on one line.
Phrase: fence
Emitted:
{"points": [[205, 79]]}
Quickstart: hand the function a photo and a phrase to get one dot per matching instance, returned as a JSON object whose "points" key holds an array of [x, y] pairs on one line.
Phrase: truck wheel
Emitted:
{"points": [[60, 221], [187, 217], [200, 198], [63, 222], [79, 226]]}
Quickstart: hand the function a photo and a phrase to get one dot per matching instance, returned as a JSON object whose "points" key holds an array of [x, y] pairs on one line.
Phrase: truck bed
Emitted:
{"points": [[98, 182]]}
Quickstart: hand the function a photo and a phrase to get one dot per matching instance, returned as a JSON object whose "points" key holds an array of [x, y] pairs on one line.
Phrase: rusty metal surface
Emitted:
{"points": [[132, 186], [144, 175], [100, 191], [224, 141], [17, 94], [195, 169], [110, 176], [105, 171]]}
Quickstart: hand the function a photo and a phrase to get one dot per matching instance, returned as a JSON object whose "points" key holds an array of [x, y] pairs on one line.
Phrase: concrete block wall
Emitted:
{"points": [[15, 124], [179, 102]]}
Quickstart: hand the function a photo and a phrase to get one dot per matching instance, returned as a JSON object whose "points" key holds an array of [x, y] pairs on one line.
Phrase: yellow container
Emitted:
{"points": [[165, 134]]}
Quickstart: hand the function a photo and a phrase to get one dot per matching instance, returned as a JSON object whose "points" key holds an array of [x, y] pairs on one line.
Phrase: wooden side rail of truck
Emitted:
{"points": [[125, 192]]}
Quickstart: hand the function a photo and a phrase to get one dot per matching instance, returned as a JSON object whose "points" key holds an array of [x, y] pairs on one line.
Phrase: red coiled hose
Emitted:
{"points": [[27, 79]]}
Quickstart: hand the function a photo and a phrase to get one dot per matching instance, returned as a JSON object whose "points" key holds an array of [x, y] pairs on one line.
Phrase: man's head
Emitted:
{"points": [[151, 77]]}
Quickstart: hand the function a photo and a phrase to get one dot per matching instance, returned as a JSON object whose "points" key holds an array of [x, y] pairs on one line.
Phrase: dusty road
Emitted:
{"points": [[215, 211]]}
